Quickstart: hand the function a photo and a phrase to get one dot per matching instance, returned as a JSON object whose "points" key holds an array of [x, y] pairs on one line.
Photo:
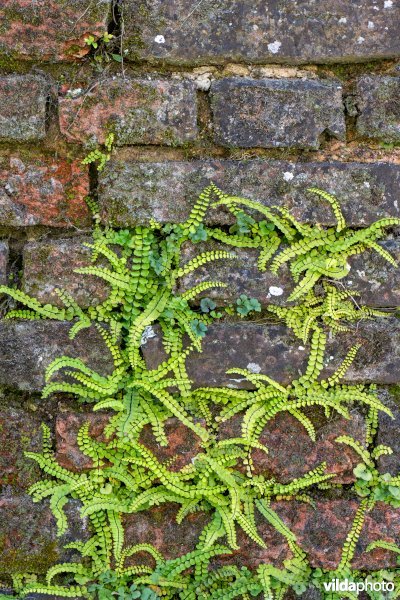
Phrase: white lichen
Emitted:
{"points": [[253, 367], [274, 47], [147, 334], [288, 176], [275, 291]]}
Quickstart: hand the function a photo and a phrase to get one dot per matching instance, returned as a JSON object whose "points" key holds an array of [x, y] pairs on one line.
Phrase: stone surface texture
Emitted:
{"points": [[183, 444], [50, 30], [266, 99], [131, 192], [23, 101], [20, 431], [276, 113], [379, 108], [274, 351], [137, 111], [4, 252], [320, 530], [40, 342], [40, 190], [261, 31], [49, 265], [371, 276], [34, 547]]}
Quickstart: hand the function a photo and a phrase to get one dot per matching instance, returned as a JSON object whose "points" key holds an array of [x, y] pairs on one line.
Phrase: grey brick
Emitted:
{"points": [[277, 353], [379, 105], [3, 261], [50, 264], [23, 101], [299, 31], [28, 347], [376, 280], [276, 113], [131, 192]]}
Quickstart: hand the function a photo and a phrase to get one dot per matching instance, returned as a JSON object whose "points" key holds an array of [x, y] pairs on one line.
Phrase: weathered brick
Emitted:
{"points": [[183, 444], [138, 111], [42, 191], [379, 107], [272, 347], [132, 192], [388, 432], [276, 352], [240, 31], [50, 30], [291, 451], [28, 535], [19, 432], [276, 113], [28, 347], [23, 107], [321, 531], [3, 261], [371, 275], [50, 264]]}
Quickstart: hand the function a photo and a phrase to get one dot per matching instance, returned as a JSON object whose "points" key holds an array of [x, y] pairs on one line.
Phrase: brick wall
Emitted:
{"points": [[261, 99]]}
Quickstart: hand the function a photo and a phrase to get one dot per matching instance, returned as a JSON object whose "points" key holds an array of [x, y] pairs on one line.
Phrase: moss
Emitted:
{"points": [[394, 391], [9, 63], [20, 561]]}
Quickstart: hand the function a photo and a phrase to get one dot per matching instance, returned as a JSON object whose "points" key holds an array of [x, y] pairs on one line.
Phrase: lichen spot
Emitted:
{"points": [[274, 47], [288, 176], [147, 334], [253, 367], [388, 4], [275, 291]]}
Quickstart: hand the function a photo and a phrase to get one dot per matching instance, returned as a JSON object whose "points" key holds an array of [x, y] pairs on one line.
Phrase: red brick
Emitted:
{"points": [[67, 428], [50, 30], [138, 111], [183, 444], [291, 451], [23, 107], [43, 191], [320, 531]]}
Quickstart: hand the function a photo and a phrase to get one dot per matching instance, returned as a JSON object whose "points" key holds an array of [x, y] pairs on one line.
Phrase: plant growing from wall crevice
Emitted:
{"points": [[143, 268]]}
